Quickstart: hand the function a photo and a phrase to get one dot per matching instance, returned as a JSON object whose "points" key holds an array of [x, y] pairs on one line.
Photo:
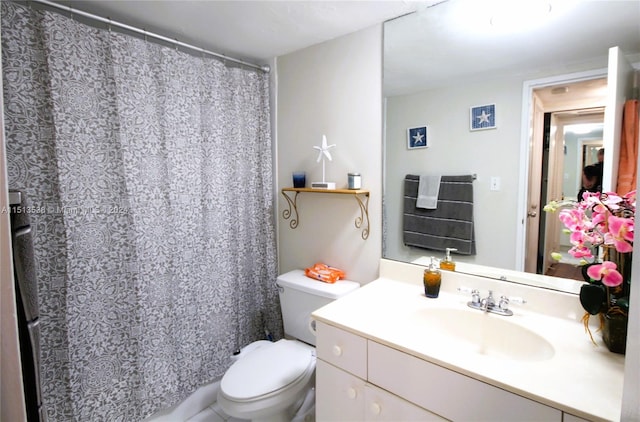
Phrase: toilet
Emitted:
{"points": [[271, 380]]}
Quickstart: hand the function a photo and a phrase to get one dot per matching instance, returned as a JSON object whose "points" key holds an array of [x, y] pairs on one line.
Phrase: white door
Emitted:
{"points": [[535, 174], [620, 86], [554, 190]]}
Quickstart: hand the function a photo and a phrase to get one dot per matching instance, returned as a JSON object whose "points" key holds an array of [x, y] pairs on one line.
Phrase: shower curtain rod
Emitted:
{"points": [[110, 22]]}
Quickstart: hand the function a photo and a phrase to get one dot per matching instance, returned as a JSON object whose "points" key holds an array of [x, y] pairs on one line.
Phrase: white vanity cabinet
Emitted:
{"points": [[385, 352], [345, 397], [362, 380], [342, 390]]}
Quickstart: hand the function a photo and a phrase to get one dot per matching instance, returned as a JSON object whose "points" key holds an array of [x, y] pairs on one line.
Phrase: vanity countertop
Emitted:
{"points": [[580, 378]]}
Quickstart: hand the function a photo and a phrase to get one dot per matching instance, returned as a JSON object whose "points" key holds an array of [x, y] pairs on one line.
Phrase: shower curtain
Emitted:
{"points": [[149, 176]]}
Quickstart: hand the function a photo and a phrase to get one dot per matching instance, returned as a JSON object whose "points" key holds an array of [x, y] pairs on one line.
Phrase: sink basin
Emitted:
{"points": [[483, 333]]}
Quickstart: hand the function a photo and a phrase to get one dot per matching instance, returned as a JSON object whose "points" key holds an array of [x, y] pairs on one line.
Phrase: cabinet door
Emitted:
{"points": [[380, 405], [566, 417], [339, 395]]}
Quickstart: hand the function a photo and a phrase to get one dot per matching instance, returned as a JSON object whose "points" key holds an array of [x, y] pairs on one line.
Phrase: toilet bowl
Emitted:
{"points": [[266, 383], [269, 381]]}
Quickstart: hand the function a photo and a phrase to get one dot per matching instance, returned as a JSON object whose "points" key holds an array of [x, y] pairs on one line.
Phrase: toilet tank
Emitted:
{"points": [[301, 295]]}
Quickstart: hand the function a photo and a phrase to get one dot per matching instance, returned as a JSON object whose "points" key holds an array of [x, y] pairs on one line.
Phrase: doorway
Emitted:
{"points": [[581, 141], [559, 145]]}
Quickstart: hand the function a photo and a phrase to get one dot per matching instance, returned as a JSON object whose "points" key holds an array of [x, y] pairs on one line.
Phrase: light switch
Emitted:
{"points": [[495, 183]]}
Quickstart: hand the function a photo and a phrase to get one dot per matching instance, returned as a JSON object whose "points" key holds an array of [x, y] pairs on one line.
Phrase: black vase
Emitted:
{"points": [[614, 332]]}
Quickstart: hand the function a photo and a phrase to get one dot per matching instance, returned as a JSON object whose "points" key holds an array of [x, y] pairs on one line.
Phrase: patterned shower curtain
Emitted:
{"points": [[149, 176]]}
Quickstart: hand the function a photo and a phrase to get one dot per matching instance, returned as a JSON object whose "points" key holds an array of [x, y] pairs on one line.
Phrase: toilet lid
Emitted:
{"points": [[266, 369]]}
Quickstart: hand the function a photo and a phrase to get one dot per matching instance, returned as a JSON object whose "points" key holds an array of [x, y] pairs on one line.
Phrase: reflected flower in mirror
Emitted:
{"points": [[601, 229]]}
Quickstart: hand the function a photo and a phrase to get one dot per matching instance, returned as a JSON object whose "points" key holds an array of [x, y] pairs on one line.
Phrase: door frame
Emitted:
{"points": [[526, 141]]}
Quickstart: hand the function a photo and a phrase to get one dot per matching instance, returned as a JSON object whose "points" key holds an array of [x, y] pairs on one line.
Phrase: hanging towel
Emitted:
{"points": [[450, 225], [627, 166], [428, 190]]}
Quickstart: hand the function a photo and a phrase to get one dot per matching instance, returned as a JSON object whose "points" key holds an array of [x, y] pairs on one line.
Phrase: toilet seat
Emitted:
{"points": [[271, 368]]}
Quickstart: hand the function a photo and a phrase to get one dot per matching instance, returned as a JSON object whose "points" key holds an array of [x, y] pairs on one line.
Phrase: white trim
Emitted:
{"points": [[523, 188]]}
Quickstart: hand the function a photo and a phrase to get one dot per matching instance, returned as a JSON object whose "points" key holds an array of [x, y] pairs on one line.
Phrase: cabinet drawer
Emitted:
{"points": [[342, 349], [448, 393], [380, 405]]}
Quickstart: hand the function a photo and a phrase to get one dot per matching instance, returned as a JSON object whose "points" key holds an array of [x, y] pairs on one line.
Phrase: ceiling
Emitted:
{"points": [[464, 39], [254, 31]]}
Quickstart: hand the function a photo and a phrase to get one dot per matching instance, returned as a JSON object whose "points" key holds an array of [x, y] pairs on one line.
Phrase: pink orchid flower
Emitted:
{"points": [[631, 198], [620, 233], [612, 200], [589, 197], [580, 251], [607, 272], [572, 218]]}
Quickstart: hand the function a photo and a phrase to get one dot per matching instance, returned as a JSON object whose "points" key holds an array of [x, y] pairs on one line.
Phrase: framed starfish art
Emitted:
{"points": [[417, 137], [482, 117]]}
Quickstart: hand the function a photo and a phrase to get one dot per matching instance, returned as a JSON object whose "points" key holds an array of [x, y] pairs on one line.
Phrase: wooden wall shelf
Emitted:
{"points": [[291, 195]]}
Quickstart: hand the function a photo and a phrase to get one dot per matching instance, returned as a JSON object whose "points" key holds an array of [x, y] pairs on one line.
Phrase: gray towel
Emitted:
{"points": [[450, 225], [428, 190]]}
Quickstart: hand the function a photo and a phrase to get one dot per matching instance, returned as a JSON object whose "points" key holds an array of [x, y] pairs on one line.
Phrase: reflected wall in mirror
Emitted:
{"points": [[445, 59]]}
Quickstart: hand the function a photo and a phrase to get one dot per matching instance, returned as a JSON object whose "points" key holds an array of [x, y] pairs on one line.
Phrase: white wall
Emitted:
{"points": [[333, 88], [456, 150]]}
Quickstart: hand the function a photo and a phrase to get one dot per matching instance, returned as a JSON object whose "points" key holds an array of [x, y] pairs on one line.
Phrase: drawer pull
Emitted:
{"points": [[375, 409], [352, 393], [337, 350]]}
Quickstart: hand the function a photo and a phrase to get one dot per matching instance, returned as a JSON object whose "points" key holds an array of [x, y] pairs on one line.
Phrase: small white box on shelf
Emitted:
{"points": [[323, 185]]}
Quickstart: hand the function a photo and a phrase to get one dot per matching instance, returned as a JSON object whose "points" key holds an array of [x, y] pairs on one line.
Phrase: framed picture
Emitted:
{"points": [[482, 117], [417, 137]]}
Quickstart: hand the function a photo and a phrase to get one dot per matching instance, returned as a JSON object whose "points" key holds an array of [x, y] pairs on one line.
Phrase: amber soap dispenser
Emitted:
{"points": [[447, 263], [432, 279]]}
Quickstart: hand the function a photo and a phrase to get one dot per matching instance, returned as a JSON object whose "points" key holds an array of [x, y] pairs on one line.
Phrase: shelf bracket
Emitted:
{"points": [[286, 214], [364, 215]]}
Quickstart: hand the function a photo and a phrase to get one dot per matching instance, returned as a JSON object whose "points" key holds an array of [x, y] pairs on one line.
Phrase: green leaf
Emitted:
{"points": [[593, 298]]}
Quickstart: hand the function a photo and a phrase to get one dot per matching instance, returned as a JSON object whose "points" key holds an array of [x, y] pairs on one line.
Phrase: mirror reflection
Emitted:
{"points": [[546, 78]]}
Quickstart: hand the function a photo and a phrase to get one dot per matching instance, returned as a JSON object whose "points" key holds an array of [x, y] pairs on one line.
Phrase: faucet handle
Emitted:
{"points": [[475, 294], [504, 302]]}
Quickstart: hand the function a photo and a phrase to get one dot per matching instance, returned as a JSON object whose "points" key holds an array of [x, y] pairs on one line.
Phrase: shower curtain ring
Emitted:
{"points": [[109, 25]]}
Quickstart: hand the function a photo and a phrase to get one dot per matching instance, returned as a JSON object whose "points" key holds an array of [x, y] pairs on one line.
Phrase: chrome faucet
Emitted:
{"points": [[488, 304]]}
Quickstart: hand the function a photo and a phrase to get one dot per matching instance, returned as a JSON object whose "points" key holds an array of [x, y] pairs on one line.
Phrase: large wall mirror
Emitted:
{"points": [[539, 71]]}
